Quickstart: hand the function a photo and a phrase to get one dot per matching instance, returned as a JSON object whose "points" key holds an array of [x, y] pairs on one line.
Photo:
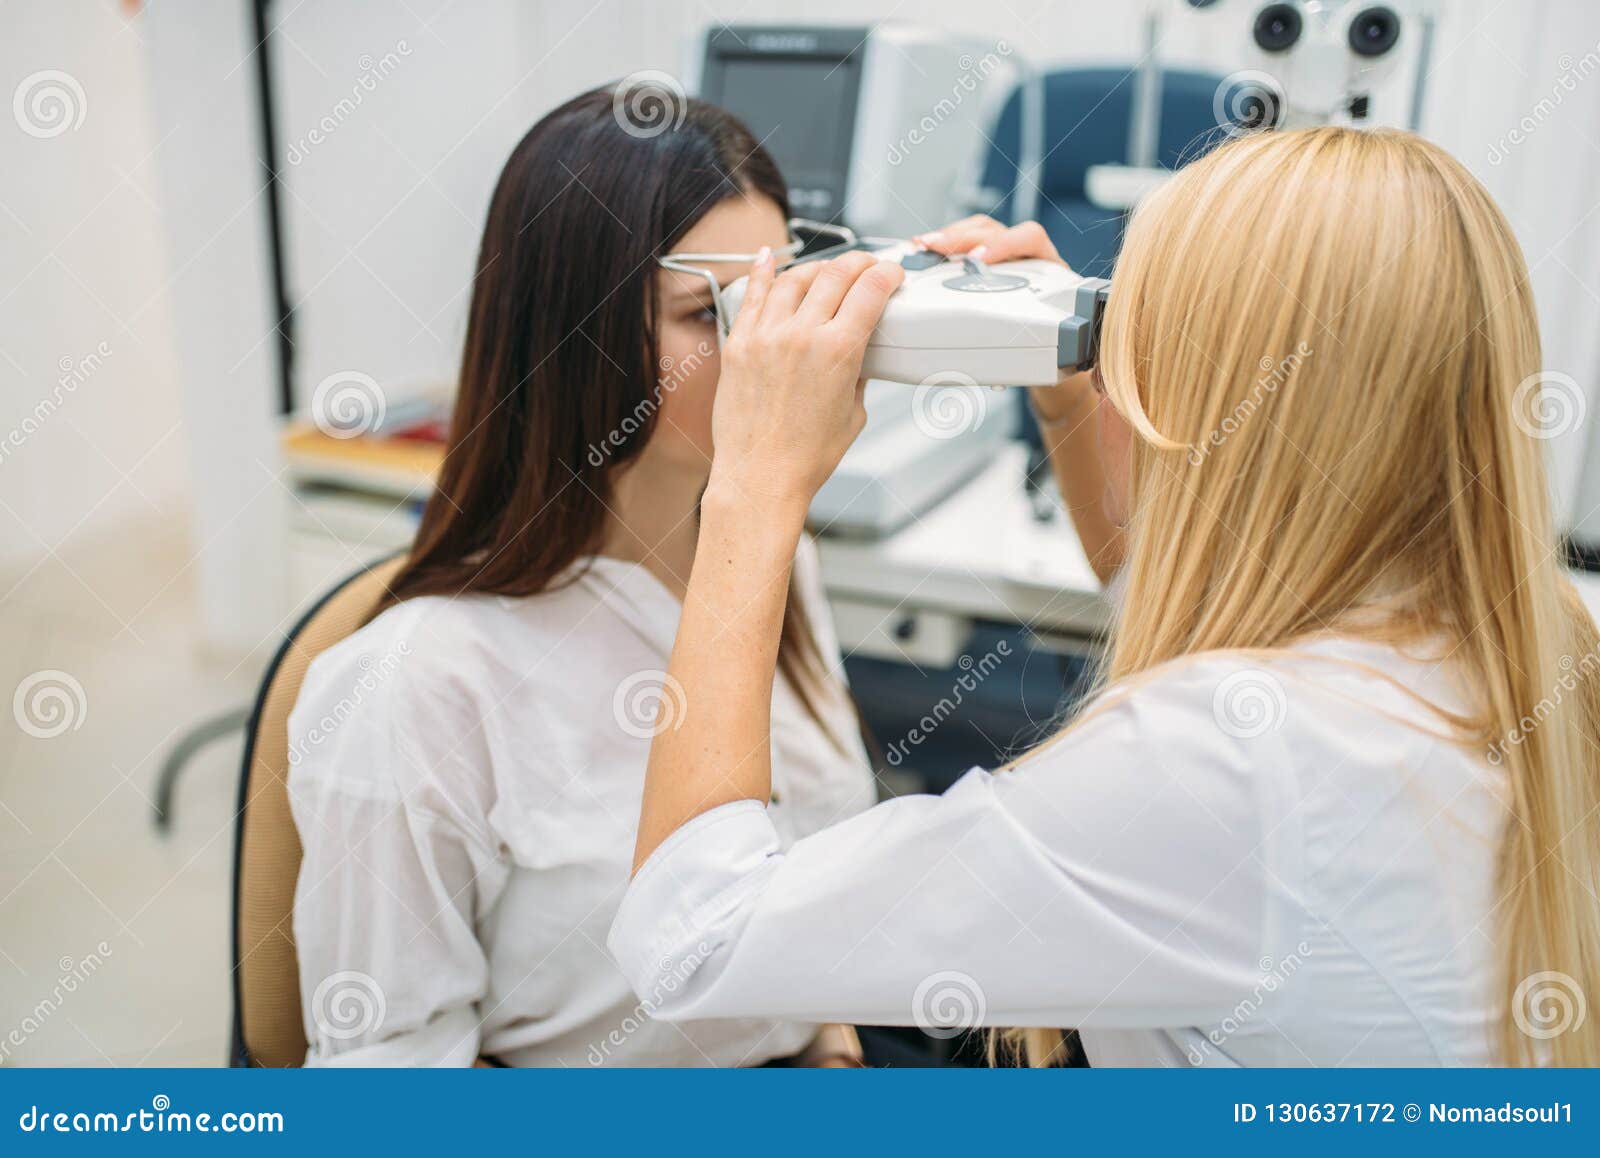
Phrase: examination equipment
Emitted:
{"points": [[960, 320]]}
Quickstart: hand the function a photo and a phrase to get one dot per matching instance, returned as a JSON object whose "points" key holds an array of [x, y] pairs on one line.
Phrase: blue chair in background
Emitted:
{"points": [[1087, 116]]}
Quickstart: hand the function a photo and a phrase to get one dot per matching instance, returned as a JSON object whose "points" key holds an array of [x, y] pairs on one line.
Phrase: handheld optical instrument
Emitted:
{"points": [[958, 319]]}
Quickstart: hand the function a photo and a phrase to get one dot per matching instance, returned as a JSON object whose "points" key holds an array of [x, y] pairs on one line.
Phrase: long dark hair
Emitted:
{"points": [[561, 374]]}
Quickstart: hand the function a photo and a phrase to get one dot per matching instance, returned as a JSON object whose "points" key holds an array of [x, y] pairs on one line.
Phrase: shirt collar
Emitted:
{"points": [[635, 596]]}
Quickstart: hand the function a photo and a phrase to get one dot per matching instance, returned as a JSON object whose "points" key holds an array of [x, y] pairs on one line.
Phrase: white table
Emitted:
{"points": [[979, 554]]}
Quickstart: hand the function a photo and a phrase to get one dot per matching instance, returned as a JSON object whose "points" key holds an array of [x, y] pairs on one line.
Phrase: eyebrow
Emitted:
{"points": [[698, 291]]}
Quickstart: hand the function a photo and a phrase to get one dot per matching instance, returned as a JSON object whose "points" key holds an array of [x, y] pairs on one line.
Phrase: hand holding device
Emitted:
{"points": [[789, 396], [1005, 311], [1070, 395]]}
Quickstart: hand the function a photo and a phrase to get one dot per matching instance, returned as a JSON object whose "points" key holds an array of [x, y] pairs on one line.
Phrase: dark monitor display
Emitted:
{"points": [[800, 104]]}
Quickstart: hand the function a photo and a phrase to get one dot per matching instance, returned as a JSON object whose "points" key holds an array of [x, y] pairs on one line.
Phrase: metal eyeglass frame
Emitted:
{"points": [[694, 263]]}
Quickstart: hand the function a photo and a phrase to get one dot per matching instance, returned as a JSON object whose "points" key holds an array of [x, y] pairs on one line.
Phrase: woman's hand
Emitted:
{"points": [[1067, 411], [987, 240], [835, 1047], [789, 398], [788, 405]]}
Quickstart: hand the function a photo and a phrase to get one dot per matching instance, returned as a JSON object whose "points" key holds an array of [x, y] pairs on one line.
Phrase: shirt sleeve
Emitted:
{"points": [[1132, 875], [392, 879]]}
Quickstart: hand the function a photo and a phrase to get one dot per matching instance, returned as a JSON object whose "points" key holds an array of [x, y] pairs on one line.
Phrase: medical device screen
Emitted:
{"points": [[802, 112]]}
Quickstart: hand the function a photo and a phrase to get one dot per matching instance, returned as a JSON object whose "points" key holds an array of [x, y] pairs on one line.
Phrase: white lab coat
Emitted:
{"points": [[1239, 863], [466, 781]]}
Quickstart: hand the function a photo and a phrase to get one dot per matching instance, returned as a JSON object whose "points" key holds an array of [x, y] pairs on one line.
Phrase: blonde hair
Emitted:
{"points": [[1324, 341]]}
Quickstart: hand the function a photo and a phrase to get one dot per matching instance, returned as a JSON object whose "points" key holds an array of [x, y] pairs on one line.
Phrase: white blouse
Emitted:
{"points": [[1241, 863], [466, 777]]}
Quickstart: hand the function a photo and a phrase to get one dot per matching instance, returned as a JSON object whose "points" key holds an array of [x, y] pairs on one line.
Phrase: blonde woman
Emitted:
{"points": [[1279, 836]]}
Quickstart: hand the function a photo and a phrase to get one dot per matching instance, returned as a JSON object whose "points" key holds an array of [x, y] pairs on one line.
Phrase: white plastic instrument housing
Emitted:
{"points": [[1016, 323]]}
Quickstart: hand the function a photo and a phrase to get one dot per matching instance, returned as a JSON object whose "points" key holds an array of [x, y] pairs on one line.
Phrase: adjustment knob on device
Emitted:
{"points": [[921, 259], [980, 279]]}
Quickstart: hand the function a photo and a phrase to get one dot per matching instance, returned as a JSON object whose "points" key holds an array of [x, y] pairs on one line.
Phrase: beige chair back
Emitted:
{"points": [[268, 1029]]}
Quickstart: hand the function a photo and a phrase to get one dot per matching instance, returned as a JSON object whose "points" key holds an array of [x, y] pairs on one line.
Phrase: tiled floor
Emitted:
{"points": [[113, 939]]}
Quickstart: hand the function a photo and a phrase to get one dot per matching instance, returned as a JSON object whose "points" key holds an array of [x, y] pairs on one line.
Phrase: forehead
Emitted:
{"points": [[736, 225]]}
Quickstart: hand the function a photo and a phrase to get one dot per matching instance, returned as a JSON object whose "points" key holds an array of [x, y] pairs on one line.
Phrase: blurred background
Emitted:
{"points": [[211, 211]]}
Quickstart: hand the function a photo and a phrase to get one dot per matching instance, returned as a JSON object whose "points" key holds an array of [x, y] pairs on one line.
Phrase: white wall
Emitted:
{"points": [[81, 272], [395, 121], [385, 212], [213, 192], [1515, 94]]}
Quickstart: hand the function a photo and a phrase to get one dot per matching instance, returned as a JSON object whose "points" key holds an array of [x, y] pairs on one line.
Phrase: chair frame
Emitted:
{"points": [[238, 1052]]}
